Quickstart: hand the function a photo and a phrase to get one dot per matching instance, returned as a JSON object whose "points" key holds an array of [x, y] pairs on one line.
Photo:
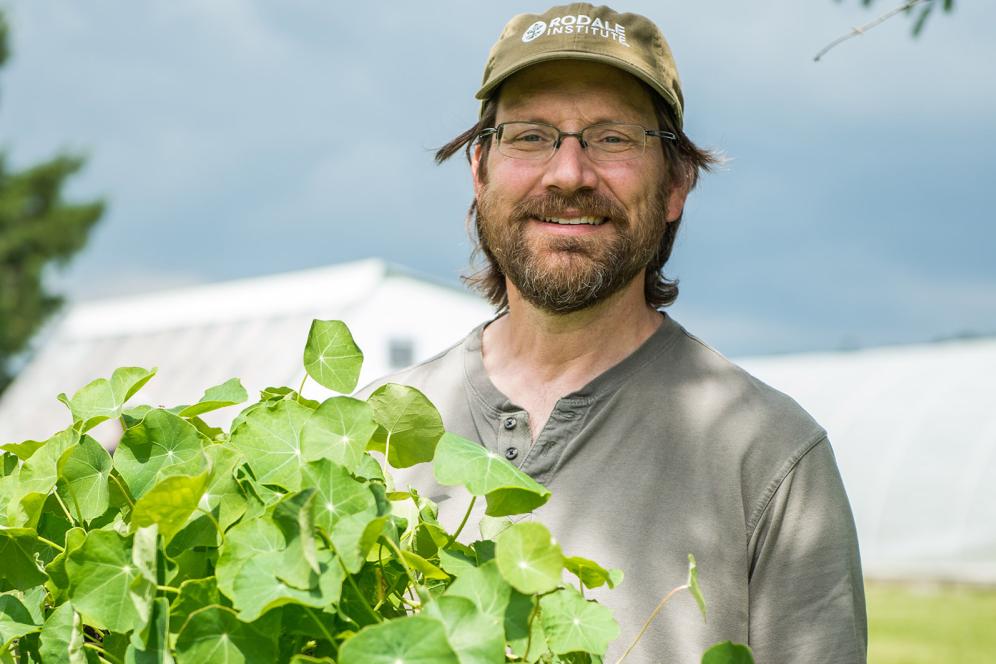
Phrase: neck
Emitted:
{"points": [[568, 350]]}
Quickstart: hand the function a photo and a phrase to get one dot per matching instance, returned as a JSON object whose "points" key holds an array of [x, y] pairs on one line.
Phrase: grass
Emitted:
{"points": [[930, 624]]}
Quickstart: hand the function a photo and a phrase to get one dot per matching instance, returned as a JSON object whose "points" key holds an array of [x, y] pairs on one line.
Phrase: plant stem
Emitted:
{"points": [[349, 577], [401, 558], [124, 491], [168, 589], [65, 509], [529, 629], [855, 32], [311, 612], [301, 387], [52, 544], [653, 614], [103, 653], [463, 523], [217, 526]]}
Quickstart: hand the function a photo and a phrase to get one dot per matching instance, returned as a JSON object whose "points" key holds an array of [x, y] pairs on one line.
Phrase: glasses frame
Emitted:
{"points": [[496, 131]]}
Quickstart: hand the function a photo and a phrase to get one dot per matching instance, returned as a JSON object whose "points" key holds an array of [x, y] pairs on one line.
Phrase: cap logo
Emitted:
{"points": [[576, 24], [533, 31]]}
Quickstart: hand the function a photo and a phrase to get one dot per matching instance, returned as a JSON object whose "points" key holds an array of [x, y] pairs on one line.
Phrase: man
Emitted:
{"points": [[652, 443]]}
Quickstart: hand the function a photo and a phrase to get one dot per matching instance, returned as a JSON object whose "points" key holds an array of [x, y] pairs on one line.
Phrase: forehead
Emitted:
{"points": [[573, 89]]}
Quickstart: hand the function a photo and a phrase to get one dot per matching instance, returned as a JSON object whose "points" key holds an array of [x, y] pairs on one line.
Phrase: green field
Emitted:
{"points": [[931, 624]]}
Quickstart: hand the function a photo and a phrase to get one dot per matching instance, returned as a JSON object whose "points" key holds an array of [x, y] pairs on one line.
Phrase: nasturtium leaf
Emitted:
{"points": [[15, 620], [160, 444], [354, 536], [528, 558], [215, 634], [227, 394], [58, 581], [475, 637], [590, 573], [23, 450], [152, 647], [83, 475], [423, 566], [19, 550], [253, 563], [103, 580], [338, 494], [728, 652], [40, 472], [223, 497], [103, 399], [62, 637], [410, 426], [573, 624], [693, 585], [270, 439], [194, 594], [457, 559], [508, 490], [339, 430], [293, 516], [308, 659], [169, 503], [485, 587], [409, 640], [331, 356]]}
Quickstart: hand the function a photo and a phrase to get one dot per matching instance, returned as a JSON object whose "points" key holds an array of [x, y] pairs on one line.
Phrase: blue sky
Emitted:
{"points": [[235, 138]]}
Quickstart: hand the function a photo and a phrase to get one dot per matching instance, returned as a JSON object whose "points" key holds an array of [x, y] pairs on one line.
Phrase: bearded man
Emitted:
{"points": [[652, 443]]}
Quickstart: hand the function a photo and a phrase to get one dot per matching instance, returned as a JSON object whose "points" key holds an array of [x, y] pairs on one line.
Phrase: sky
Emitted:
{"points": [[237, 138]]}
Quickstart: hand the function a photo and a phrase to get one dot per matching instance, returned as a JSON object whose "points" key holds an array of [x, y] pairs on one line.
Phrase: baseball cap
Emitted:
{"points": [[581, 31]]}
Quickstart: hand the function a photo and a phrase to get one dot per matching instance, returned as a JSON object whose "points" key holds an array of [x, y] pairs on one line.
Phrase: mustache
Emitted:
{"points": [[553, 204]]}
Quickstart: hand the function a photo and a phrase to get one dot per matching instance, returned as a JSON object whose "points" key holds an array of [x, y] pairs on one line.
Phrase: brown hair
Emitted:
{"points": [[685, 161]]}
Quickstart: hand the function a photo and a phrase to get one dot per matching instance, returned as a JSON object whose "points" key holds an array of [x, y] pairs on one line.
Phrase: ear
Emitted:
{"points": [[676, 202], [475, 169]]}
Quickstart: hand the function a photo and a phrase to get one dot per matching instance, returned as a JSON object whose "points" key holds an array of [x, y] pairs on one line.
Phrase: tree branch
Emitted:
{"points": [[855, 32]]}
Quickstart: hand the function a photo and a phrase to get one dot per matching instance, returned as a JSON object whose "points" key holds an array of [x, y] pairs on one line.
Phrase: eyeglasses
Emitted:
{"points": [[605, 141]]}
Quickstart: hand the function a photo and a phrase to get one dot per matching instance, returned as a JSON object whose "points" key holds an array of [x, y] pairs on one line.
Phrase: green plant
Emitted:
{"points": [[281, 541]]}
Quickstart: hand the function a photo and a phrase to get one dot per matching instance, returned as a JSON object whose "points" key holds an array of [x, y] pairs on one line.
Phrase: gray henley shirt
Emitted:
{"points": [[676, 450]]}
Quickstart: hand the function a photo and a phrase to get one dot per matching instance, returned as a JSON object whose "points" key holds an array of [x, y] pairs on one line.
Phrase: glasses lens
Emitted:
{"points": [[615, 142], [526, 140]]}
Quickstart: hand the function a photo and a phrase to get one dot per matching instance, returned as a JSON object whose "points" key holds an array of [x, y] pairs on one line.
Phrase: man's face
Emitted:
{"points": [[525, 206]]}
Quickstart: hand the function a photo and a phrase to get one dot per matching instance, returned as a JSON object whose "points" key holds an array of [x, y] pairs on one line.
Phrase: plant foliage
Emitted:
{"points": [[281, 540]]}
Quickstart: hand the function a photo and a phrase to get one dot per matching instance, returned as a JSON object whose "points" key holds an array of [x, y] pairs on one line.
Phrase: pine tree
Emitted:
{"points": [[37, 228]]}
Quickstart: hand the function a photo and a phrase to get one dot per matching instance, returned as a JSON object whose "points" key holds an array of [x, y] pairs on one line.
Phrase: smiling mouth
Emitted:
{"points": [[574, 221]]}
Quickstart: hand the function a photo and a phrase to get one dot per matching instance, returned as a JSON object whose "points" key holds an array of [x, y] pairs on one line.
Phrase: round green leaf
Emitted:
{"points": [[161, 443], [339, 430], [528, 558], [270, 440], [508, 490], [485, 587], [169, 503], [475, 637], [728, 652], [40, 472], [338, 494], [62, 636], [83, 473], [103, 399], [19, 548], [105, 585], [227, 394], [331, 356], [590, 573], [215, 634], [15, 620], [409, 640], [410, 426], [573, 624], [693, 585]]}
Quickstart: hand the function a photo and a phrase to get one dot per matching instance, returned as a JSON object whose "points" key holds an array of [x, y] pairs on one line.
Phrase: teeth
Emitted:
{"points": [[573, 221]]}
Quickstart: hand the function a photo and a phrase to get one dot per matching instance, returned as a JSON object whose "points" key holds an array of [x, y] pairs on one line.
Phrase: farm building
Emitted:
{"points": [[913, 427]]}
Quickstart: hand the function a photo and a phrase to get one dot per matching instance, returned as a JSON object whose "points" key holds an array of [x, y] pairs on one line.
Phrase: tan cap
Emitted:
{"points": [[580, 31]]}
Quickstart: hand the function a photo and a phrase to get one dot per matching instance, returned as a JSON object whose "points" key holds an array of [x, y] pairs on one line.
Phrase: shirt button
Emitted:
{"points": [[511, 453], [568, 414], [509, 423]]}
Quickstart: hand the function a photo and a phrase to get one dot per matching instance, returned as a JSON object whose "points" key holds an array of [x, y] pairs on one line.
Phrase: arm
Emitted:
{"points": [[806, 591]]}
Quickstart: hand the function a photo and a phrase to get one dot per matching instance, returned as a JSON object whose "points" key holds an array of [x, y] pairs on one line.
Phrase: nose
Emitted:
{"points": [[570, 169]]}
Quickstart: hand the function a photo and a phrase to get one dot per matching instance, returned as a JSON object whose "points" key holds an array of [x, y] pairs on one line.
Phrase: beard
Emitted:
{"points": [[567, 274]]}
